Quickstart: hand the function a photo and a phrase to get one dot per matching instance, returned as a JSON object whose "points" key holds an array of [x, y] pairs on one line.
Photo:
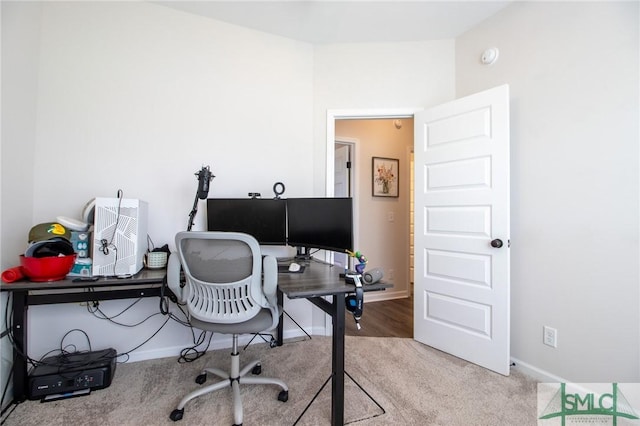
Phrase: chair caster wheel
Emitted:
{"points": [[176, 415], [201, 379], [273, 343], [256, 370], [283, 396]]}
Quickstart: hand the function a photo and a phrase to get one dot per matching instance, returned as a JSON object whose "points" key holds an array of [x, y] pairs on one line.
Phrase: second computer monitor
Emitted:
{"points": [[321, 223]]}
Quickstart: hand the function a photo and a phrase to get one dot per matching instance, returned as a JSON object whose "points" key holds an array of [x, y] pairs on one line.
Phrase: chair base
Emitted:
{"points": [[233, 379]]}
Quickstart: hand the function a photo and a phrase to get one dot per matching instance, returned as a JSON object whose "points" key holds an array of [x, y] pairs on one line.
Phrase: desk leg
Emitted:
{"points": [[337, 383], [20, 374], [279, 330]]}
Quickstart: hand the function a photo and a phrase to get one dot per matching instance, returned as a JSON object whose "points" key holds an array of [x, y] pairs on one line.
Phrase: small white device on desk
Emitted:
{"points": [[119, 236]]}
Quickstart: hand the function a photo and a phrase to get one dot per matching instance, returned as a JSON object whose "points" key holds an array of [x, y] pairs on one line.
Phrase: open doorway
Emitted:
{"points": [[384, 223], [381, 221]]}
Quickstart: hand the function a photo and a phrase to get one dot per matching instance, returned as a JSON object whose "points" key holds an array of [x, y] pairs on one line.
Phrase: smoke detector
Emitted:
{"points": [[490, 55]]}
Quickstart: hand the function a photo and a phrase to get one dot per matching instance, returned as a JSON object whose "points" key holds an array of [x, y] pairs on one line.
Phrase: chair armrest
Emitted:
{"points": [[270, 279], [173, 276]]}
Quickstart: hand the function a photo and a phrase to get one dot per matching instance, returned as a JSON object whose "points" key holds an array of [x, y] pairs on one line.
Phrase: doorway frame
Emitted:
{"points": [[357, 114], [353, 187], [354, 114]]}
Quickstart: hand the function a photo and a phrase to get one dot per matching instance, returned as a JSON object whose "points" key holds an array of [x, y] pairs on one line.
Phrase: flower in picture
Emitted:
{"points": [[385, 176]]}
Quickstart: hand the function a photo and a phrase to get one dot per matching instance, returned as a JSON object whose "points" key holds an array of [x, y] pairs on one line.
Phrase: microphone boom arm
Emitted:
{"points": [[204, 177], [192, 215]]}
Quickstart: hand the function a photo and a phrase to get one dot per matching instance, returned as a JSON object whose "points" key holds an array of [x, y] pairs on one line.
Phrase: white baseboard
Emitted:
{"points": [[378, 296], [536, 373], [219, 341]]}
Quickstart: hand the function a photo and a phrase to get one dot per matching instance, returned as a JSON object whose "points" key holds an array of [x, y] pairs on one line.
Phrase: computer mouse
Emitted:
{"points": [[294, 267]]}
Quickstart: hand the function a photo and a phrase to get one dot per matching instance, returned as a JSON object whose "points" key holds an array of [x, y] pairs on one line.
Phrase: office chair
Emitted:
{"points": [[225, 292]]}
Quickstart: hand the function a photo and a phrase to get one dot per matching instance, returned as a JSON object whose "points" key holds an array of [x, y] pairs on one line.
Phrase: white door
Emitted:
{"points": [[461, 303], [342, 167]]}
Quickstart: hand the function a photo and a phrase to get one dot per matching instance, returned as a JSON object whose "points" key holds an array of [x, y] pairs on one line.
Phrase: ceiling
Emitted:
{"points": [[353, 21]]}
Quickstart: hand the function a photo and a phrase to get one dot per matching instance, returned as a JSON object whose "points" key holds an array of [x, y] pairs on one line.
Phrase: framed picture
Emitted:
{"points": [[385, 175]]}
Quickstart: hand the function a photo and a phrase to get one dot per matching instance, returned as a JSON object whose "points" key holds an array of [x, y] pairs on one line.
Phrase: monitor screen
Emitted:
{"points": [[264, 219], [322, 223]]}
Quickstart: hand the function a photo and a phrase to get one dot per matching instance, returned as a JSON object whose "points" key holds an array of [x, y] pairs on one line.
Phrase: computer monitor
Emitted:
{"points": [[321, 223], [265, 219]]}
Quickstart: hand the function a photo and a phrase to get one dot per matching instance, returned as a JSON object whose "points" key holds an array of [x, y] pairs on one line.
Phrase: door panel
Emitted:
{"points": [[461, 303], [341, 180]]}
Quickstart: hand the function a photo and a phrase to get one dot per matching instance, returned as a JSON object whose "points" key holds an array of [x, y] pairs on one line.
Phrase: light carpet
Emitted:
{"points": [[413, 383]]}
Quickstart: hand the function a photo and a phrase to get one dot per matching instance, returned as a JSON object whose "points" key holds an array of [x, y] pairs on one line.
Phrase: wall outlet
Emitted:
{"points": [[390, 274], [550, 336]]}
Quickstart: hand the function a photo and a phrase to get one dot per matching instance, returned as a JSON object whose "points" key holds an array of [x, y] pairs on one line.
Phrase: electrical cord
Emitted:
{"points": [[107, 245], [164, 304], [62, 350], [10, 336], [127, 353], [104, 316], [150, 245], [94, 310], [4, 394], [63, 359], [98, 313], [192, 353], [188, 354], [32, 362], [14, 406]]}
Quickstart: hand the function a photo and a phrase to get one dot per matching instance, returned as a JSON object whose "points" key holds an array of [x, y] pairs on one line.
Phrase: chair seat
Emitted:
{"points": [[257, 324]]}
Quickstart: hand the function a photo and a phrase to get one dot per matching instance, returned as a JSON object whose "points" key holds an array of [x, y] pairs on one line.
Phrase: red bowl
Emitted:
{"points": [[54, 268]]}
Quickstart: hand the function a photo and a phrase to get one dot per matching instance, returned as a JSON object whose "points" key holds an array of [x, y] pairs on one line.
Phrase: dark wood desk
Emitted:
{"points": [[147, 283], [319, 281]]}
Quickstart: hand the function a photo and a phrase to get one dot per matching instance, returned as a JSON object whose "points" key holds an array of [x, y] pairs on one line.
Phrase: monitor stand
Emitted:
{"points": [[303, 255]]}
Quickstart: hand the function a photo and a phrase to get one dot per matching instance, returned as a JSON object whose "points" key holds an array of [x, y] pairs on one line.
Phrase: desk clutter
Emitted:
{"points": [[49, 256], [110, 239]]}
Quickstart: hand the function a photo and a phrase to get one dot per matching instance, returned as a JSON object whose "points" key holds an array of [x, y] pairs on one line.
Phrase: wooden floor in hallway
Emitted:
{"points": [[388, 318]]}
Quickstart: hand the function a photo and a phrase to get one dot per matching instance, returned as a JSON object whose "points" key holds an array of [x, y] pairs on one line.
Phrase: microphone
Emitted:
{"points": [[204, 177]]}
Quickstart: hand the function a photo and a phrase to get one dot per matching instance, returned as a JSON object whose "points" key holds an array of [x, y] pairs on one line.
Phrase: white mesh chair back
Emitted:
{"points": [[223, 275]]}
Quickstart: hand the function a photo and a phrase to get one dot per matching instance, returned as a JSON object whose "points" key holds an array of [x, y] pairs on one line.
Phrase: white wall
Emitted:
{"points": [[377, 76], [136, 96], [146, 95], [573, 74], [20, 46]]}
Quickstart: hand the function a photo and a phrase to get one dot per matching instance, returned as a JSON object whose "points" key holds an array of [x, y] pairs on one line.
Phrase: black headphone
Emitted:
{"points": [[355, 302]]}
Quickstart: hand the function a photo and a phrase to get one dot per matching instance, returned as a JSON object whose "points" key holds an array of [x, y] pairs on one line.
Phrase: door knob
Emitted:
{"points": [[497, 243]]}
